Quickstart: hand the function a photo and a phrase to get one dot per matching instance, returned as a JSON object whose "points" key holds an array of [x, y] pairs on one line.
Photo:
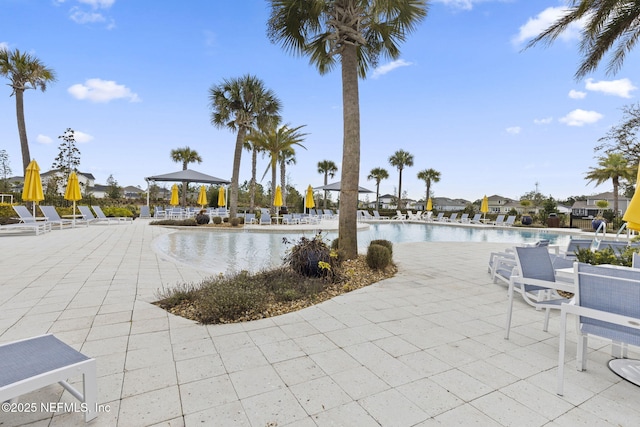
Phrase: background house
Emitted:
{"points": [[588, 208]]}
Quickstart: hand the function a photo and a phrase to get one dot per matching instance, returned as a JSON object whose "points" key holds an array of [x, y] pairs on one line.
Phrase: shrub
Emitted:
{"points": [[335, 243], [240, 220], [217, 220], [378, 257], [606, 256], [234, 222], [225, 219], [311, 257], [189, 222], [202, 218], [386, 243], [115, 211], [228, 298]]}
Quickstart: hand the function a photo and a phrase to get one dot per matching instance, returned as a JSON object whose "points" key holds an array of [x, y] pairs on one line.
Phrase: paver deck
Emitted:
{"points": [[423, 348]]}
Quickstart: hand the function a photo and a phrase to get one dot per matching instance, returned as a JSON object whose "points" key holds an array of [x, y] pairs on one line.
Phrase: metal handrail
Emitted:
{"points": [[602, 226]]}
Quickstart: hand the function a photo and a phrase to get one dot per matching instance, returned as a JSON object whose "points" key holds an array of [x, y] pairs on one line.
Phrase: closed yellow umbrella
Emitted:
{"points": [[484, 206], [202, 197], [309, 203], [429, 204], [72, 192], [32, 191], [632, 214], [174, 195], [277, 200], [221, 199]]}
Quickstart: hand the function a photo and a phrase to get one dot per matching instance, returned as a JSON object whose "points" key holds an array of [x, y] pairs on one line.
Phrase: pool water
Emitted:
{"points": [[220, 251]]}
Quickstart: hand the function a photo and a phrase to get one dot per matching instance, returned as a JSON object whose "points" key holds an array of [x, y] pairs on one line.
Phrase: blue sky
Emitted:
{"points": [[464, 99]]}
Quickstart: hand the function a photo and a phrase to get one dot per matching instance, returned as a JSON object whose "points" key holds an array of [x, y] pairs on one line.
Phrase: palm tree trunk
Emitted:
{"points": [[616, 185], [252, 184], [22, 130], [348, 225], [283, 181], [237, 155], [324, 201], [377, 195], [400, 189], [274, 167]]}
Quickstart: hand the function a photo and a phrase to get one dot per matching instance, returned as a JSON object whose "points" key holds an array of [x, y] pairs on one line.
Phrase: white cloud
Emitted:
{"points": [[98, 90], [514, 130], [581, 117], [81, 17], [387, 68], [542, 21], [98, 4], [4, 46], [458, 4], [544, 121], [81, 136], [43, 139], [577, 94], [621, 88]]}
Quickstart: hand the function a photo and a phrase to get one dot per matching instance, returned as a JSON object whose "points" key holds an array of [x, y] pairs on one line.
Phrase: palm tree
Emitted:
{"points": [[378, 174], [400, 160], [273, 140], [238, 105], [185, 155], [248, 145], [287, 157], [612, 167], [429, 176], [329, 169], [605, 23], [354, 34], [25, 72]]}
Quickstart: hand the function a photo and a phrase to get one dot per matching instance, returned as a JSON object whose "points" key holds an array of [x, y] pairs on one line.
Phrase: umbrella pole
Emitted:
{"points": [[74, 214]]}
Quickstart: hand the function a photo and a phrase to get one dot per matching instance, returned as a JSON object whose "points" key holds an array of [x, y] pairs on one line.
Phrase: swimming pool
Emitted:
{"points": [[223, 251]]}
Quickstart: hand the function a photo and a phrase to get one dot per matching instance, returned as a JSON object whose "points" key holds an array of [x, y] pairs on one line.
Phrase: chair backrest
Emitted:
{"points": [[453, 217], [464, 217], [440, 215], [24, 214], [144, 212], [248, 217], [575, 244], [50, 212], [98, 211], [534, 262], [613, 290], [476, 218], [86, 212], [616, 246], [511, 219], [635, 260], [500, 219]]}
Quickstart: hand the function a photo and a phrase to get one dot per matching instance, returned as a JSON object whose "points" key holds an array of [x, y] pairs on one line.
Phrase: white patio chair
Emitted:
{"points": [[376, 215], [607, 305], [29, 222], [33, 363], [54, 218], [534, 278]]}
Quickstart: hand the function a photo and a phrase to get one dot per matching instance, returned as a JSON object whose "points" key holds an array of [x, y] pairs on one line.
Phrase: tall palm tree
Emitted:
{"points": [[287, 157], [185, 155], [429, 176], [248, 145], [329, 169], [354, 34], [273, 140], [612, 167], [400, 160], [238, 105], [25, 72], [605, 23], [378, 174]]}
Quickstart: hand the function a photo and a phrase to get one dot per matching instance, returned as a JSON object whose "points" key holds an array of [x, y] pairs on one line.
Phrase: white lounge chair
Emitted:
{"points": [[33, 363], [511, 219], [399, 216], [100, 215], [91, 218], [376, 215], [440, 217], [464, 218], [29, 222], [452, 218], [265, 218], [54, 218], [476, 219], [499, 220]]}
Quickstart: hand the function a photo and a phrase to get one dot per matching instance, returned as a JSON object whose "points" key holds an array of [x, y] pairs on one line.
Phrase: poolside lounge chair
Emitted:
{"points": [[33, 363], [328, 214], [250, 218], [100, 215], [574, 245], [90, 218], [376, 215], [452, 218], [464, 218], [414, 216], [440, 217], [534, 278], [606, 306], [54, 218], [511, 219], [476, 219], [29, 222], [289, 219], [399, 216], [159, 212], [144, 212], [367, 216], [499, 220], [265, 218]]}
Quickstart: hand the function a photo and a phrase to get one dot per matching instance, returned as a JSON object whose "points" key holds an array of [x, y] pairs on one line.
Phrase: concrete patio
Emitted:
{"points": [[423, 348]]}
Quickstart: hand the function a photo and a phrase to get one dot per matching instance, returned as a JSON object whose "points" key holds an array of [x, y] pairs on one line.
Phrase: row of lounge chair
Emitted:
{"points": [[427, 216], [51, 219], [603, 298]]}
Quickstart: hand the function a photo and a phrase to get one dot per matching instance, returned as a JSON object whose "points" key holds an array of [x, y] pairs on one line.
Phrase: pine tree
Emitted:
{"points": [[68, 158]]}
